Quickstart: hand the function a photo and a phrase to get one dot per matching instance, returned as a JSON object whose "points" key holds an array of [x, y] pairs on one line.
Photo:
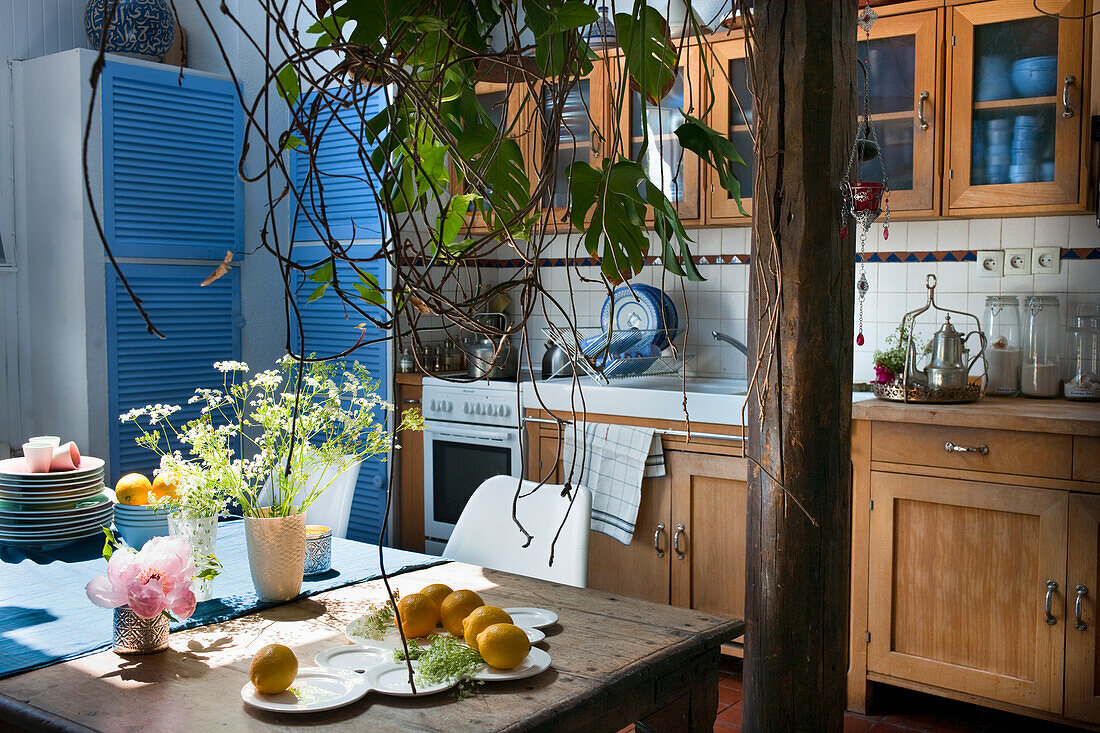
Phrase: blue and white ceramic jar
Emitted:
{"points": [[143, 28]]}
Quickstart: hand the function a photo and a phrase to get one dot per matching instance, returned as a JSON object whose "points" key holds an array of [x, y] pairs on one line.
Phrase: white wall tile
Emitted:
{"points": [[1018, 232], [923, 236], [952, 277], [985, 230], [1052, 231], [1084, 275], [1083, 232], [953, 234]]}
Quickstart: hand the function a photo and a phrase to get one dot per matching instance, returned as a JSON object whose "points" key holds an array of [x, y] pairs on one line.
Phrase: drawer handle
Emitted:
{"points": [[657, 539], [1067, 111], [920, 111], [1082, 591], [676, 541], [408, 401], [952, 448], [1052, 585]]}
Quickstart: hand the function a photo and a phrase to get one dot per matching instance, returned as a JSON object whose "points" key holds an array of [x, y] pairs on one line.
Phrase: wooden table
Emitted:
{"points": [[615, 660]]}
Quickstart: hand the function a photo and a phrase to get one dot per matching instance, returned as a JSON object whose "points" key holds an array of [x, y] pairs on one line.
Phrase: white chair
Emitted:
{"points": [[485, 534], [333, 507]]}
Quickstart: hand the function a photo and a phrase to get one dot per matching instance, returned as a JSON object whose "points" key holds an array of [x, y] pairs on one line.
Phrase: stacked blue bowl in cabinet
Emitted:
{"points": [[1025, 149], [137, 524], [997, 150], [991, 80], [1036, 76]]}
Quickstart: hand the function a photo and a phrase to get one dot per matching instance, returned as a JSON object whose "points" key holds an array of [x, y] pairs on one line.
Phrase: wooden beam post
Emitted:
{"points": [[802, 296]]}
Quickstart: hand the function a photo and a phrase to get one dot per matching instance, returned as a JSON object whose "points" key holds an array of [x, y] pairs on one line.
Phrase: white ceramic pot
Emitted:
{"points": [[202, 533], [276, 554]]}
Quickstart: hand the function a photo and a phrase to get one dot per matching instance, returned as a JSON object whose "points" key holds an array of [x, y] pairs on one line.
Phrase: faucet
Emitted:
{"points": [[719, 336]]}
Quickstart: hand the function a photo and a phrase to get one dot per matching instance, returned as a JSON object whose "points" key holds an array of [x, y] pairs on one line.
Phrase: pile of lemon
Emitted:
{"points": [[136, 489], [487, 630]]}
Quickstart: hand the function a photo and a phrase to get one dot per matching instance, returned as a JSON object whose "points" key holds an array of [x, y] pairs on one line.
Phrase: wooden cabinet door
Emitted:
{"points": [[731, 115], [1083, 581], [410, 462], [1016, 122], [904, 56], [640, 569], [709, 499], [959, 573]]}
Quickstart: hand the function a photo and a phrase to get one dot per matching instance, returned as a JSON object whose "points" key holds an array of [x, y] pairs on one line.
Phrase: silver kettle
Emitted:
{"points": [[488, 358], [951, 362]]}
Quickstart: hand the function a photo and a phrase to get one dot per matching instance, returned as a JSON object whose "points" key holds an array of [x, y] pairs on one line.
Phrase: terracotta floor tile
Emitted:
{"points": [[721, 727], [729, 695], [858, 723], [887, 728], [732, 714]]}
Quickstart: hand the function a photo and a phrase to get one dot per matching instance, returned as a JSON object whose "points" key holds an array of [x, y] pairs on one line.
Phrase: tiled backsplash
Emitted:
{"points": [[721, 303]]}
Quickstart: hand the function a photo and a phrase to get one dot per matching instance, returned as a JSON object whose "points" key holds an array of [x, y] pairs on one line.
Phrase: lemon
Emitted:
{"points": [[456, 607], [480, 619], [437, 592], [164, 488], [503, 645], [133, 489], [417, 614], [273, 669]]}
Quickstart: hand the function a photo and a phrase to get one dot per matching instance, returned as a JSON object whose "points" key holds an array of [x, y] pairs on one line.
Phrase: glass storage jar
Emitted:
{"points": [[1002, 329], [1083, 355], [1040, 374]]}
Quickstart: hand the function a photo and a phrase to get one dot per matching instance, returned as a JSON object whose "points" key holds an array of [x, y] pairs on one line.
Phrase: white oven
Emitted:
{"points": [[472, 433]]}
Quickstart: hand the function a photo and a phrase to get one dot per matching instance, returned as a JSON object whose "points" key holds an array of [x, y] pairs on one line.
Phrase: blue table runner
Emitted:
{"points": [[45, 616]]}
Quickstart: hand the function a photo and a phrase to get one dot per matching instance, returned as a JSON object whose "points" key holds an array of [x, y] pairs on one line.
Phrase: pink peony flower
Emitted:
{"points": [[150, 582]]}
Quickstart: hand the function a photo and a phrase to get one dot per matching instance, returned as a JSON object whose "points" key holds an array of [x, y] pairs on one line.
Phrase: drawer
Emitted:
{"points": [[1086, 458], [1013, 452]]}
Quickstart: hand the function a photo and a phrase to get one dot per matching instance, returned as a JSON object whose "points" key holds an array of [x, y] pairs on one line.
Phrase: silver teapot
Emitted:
{"points": [[951, 362]]}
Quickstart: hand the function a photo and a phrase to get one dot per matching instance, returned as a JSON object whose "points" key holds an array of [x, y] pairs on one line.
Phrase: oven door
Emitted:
{"points": [[457, 459]]}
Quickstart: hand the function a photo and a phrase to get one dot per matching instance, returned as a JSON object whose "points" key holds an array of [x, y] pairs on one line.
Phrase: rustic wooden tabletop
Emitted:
{"points": [[614, 660]]}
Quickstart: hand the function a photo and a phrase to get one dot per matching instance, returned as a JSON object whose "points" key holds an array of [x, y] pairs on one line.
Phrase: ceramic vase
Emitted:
{"points": [[202, 533], [136, 635], [276, 554], [143, 28]]}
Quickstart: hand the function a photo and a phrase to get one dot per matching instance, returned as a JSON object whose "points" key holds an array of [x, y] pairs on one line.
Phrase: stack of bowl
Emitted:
{"points": [[53, 509], [1025, 150], [139, 523], [1036, 76], [998, 137]]}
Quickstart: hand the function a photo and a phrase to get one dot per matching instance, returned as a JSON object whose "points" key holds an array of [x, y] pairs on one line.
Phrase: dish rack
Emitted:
{"points": [[605, 356]]}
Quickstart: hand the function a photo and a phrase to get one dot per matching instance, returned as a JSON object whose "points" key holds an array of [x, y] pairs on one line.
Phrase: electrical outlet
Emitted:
{"points": [[1017, 262], [991, 263], [1046, 260]]}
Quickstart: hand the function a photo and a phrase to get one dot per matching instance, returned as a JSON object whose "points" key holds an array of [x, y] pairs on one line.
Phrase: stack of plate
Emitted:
{"points": [[52, 509]]}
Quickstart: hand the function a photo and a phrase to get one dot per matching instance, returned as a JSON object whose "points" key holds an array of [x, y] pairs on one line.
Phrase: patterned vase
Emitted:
{"points": [[202, 533], [276, 555], [144, 28], [136, 635]]}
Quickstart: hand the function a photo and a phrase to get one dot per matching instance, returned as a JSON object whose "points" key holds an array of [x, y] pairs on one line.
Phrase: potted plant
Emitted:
{"points": [[143, 586]]}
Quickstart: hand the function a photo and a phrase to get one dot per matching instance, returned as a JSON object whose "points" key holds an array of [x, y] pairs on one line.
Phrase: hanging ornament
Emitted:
{"points": [[864, 200]]}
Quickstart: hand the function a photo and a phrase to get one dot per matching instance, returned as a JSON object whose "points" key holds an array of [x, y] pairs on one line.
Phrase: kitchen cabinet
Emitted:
{"points": [[1018, 119], [731, 114], [410, 467], [966, 564], [688, 547]]}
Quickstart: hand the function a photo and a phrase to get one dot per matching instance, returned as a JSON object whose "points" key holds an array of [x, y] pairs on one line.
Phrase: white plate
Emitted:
{"points": [[33, 523], [81, 507], [536, 661], [18, 467], [392, 640], [9, 484], [313, 690], [533, 618], [358, 658], [53, 534], [71, 496], [392, 678]]}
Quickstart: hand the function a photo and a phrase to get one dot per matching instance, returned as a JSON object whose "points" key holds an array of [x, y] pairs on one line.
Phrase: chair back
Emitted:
{"points": [[333, 507], [486, 535]]}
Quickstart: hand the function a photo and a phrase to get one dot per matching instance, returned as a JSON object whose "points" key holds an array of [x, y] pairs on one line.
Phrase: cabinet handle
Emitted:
{"points": [[408, 401], [657, 539], [1082, 591], [920, 111], [1052, 585], [1067, 111], [676, 541], [952, 448]]}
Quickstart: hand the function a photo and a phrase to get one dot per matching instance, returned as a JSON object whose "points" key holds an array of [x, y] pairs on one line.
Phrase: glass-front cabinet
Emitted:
{"points": [[904, 101], [1016, 120], [506, 107], [732, 114], [653, 126]]}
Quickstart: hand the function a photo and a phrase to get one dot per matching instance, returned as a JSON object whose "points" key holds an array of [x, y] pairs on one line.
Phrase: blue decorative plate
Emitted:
{"points": [[670, 319], [640, 310]]}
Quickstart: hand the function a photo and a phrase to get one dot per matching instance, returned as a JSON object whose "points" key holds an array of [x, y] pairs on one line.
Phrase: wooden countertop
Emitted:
{"points": [[1005, 413]]}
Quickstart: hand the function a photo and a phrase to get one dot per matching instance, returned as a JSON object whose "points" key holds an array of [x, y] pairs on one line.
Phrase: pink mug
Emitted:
{"points": [[65, 458], [37, 455]]}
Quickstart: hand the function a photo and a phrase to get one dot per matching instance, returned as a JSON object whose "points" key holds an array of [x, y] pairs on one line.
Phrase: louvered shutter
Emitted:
{"points": [[201, 326], [341, 179], [170, 150], [331, 330]]}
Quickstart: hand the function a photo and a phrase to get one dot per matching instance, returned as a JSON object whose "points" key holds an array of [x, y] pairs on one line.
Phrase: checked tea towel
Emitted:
{"points": [[611, 461]]}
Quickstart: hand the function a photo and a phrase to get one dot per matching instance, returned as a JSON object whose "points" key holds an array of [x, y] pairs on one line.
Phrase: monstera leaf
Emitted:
{"points": [[716, 151], [648, 56]]}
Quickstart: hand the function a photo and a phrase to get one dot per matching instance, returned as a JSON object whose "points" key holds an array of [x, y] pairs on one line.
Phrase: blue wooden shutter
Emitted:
{"points": [[350, 204], [202, 325], [331, 330], [170, 150]]}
